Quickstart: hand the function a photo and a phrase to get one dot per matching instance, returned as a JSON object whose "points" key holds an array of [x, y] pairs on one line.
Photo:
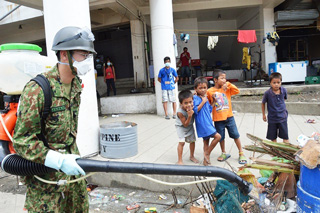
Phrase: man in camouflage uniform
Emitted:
{"points": [[73, 47]]}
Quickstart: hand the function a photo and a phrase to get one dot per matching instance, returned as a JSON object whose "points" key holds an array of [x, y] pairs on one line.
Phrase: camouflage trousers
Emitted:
{"points": [[73, 199]]}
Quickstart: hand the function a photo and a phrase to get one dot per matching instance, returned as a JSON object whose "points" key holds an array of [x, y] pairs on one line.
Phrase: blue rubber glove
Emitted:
{"points": [[64, 162]]}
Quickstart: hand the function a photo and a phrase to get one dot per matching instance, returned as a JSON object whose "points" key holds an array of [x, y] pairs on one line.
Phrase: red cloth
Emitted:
{"points": [[184, 60], [109, 73], [247, 36]]}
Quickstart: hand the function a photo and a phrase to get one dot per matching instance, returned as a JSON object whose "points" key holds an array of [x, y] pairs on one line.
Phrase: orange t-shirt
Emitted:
{"points": [[109, 73], [222, 108]]}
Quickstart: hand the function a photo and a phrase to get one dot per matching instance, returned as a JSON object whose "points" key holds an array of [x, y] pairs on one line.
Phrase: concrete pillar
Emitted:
{"points": [[138, 53], [162, 43], [267, 23], [59, 14]]}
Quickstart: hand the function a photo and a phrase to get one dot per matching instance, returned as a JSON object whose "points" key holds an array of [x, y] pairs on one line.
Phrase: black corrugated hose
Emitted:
{"points": [[16, 165]]}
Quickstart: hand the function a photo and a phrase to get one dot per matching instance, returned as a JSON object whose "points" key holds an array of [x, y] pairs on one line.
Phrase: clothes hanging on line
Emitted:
{"points": [[175, 46], [184, 37], [247, 36], [174, 39], [246, 58], [212, 42], [273, 38]]}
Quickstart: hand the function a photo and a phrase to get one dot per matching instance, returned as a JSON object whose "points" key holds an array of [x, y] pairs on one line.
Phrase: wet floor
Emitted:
{"points": [[113, 200]]}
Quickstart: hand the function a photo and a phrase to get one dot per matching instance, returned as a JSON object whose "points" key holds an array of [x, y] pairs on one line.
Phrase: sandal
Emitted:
{"points": [[242, 158], [223, 157]]}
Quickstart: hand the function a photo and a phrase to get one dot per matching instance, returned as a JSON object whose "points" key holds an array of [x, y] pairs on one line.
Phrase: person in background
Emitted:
{"points": [[204, 125], [185, 69], [220, 97], [277, 113], [99, 65], [184, 125], [168, 77], [110, 77]]}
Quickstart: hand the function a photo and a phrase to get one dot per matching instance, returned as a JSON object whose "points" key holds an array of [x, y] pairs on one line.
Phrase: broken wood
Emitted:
{"points": [[273, 163], [272, 168], [283, 146]]}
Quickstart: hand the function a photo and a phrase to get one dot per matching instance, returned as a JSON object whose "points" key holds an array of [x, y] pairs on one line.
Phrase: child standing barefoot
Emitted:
{"points": [[184, 125], [277, 112], [204, 124]]}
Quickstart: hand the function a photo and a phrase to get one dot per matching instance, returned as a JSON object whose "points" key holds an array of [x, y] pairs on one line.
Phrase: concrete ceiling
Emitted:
{"points": [[211, 14], [106, 13]]}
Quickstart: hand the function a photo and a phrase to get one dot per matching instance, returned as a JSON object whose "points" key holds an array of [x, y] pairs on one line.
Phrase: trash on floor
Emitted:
{"points": [[311, 121], [302, 140], [133, 206], [315, 136], [117, 198], [150, 210], [131, 193], [162, 197]]}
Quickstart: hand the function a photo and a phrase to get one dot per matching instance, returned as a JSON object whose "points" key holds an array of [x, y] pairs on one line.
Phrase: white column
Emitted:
{"points": [[267, 23], [59, 14], [138, 54], [162, 43]]}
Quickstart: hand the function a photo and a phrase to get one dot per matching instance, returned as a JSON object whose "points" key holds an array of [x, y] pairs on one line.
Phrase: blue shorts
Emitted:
{"points": [[210, 136], [185, 72], [277, 130], [231, 126]]}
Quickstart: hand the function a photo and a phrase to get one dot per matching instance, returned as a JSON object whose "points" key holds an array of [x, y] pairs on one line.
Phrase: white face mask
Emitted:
{"points": [[83, 67]]}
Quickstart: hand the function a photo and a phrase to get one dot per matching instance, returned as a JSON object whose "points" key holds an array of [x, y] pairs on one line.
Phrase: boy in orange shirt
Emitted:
{"points": [[222, 114]]}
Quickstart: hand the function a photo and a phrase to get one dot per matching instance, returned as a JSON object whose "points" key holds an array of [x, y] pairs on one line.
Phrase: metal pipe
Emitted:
{"points": [[11, 11]]}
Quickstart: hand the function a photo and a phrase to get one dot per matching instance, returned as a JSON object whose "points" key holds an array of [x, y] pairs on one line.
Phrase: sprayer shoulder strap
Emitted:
{"points": [[47, 92]]}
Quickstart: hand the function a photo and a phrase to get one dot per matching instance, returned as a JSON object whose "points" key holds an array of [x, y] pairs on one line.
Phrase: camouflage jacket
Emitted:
{"points": [[60, 125]]}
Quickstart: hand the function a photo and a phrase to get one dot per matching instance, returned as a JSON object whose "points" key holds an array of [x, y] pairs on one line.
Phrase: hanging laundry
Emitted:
{"points": [[247, 36], [246, 58], [212, 42], [174, 39], [175, 45], [184, 37], [273, 38]]}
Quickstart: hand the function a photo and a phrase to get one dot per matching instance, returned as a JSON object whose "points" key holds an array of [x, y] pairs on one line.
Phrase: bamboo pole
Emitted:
{"points": [[273, 163], [284, 146], [272, 168]]}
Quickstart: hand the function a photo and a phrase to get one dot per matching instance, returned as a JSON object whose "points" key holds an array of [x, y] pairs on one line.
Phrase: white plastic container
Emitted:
{"points": [[20, 62], [295, 71]]}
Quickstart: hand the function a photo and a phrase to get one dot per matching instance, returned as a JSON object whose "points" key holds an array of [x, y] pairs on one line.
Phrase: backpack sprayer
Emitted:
{"points": [[16, 165]]}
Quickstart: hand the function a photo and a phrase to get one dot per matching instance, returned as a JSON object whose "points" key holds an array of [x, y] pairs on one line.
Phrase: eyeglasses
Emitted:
{"points": [[85, 55]]}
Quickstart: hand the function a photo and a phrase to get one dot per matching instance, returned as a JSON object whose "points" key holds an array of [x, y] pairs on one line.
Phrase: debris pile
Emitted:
{"points": [[284, 160]]}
